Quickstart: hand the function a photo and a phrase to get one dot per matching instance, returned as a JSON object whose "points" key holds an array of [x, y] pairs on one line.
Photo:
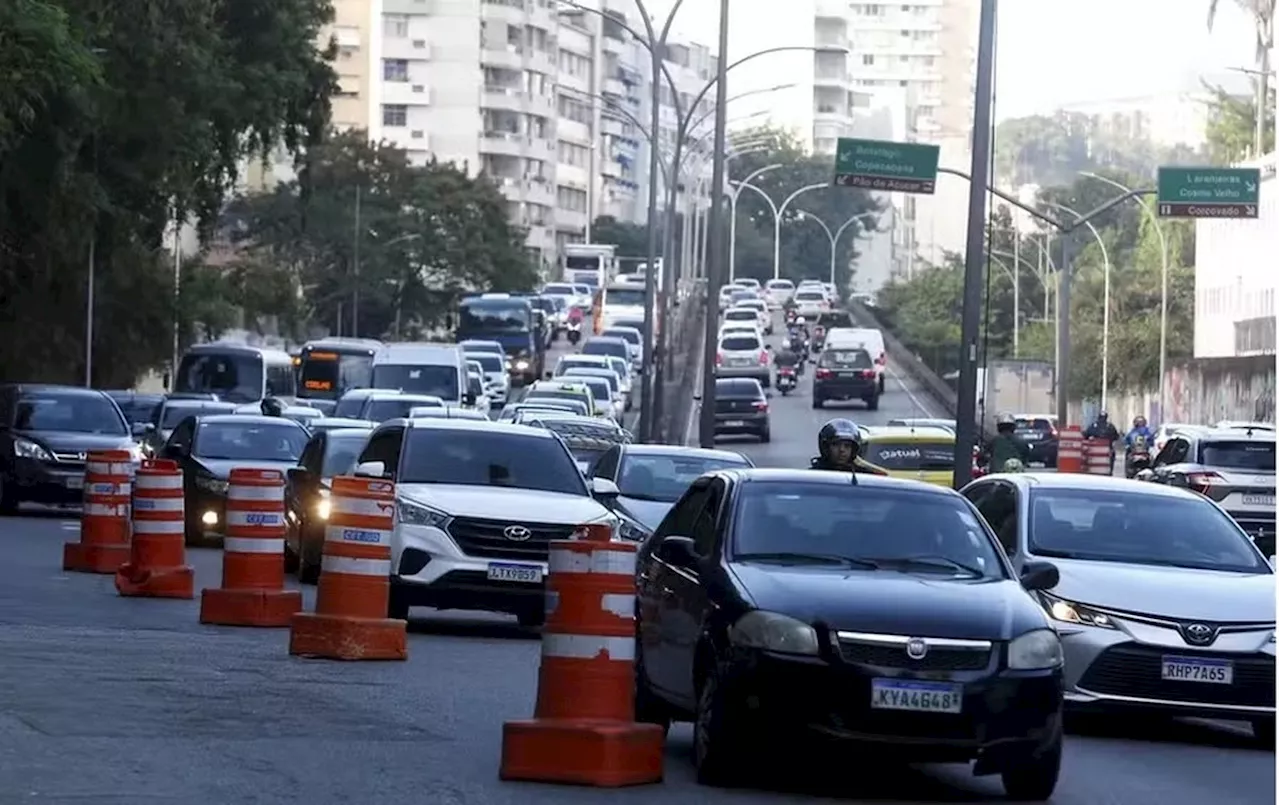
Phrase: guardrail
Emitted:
{"points": [[905, 360], [680, 376]]}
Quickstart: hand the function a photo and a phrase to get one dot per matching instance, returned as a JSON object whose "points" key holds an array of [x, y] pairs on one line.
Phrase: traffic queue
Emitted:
{"points": [[859, 600]]}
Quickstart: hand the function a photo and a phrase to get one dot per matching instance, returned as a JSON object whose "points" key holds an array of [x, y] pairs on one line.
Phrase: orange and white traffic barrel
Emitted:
{"points": [[157, 567], [252, 592], [104, 520], [1097, 456], [1070, 450], [350, 621], [583, 730]]}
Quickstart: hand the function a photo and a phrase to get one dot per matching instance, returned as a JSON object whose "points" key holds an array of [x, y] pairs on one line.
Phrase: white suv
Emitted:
{"points": [[476, 505]]}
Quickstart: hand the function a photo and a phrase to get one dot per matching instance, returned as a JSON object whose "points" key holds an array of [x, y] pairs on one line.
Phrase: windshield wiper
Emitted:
{"points": [[927, 560], [826, 558]]}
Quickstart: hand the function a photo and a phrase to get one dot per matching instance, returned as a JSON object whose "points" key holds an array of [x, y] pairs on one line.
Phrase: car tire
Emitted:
{"points": [[8, 498], [397, 603], [716, 738], [1035, 779], [873, 403], [880, 387], [649, 708], [1264, 732], [291, 559], [308, 572], [817, 402], [764, 436]]}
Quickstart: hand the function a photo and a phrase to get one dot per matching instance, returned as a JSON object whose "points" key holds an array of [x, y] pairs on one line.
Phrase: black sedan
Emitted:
{"points": [[331, 452], [652, 477], [741, 408], [208, 448], [775, 605]]}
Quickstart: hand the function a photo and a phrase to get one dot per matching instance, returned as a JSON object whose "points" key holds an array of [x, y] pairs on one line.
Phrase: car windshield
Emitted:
{"points": [[173, 414], [1138, 528], [599, 346], [69, 413], [438, 380], [890, 527], [233, 376], [494, 315], [490, 363], [630, 336], [553, 394], [382, 409], [250, 441], [477, 458], [556, 289], [625, 297], [846, 359], [911, 456], [587, 375], [665, 478], [570, 362], [740, 343], [1239, 455], [341, 452], [327, 374]]}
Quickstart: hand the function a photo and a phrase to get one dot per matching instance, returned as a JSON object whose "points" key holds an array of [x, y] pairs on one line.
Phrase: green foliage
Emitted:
{"points": [[111, 114], [804, 251], [408, 241], [632, 240], [1231, 131]]}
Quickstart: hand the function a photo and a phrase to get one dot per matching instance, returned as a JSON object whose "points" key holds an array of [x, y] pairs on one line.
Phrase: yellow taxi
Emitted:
{"points": [[914, 453], [564, 390]]}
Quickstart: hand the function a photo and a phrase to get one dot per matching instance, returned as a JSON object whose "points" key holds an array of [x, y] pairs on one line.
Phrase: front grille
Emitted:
{"points": [[938, 659], [69, 459], [1132, 670], [485, 538]]}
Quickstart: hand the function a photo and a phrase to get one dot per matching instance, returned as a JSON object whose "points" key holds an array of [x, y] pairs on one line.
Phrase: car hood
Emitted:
{"points": [[221, 468], [648, 513], [64, 442], [1179, 593], [889, 602], [490, 502]]}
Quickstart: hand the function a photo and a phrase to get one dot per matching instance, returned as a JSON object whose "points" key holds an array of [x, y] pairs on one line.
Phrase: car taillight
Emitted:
{"points": [[1053, 432], [881, 359], [822, 374], [818, 332], [764, 357], [1201, 481], [867, 374], [761, 405], [719, 358]]}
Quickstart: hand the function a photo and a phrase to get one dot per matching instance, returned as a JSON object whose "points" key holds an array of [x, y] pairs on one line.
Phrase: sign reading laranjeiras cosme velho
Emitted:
{"points": [[886, 166]]}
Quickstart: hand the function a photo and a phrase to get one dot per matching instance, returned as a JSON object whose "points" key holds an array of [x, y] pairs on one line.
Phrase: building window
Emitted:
{"points": [[574, 154], [396, 70], [868, 59], [395, 26], [574, 110], [394, 114], [571, 199]]}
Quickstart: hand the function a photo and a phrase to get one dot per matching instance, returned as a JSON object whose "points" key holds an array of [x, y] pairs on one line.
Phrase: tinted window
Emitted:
{"points": [[140, 408], [544, 394], [665, 478], [741, 314], [625, 296], [860, 522], [779, 285], [626, 335], [835, 319], [329, 374], [494, 315], [558, 289], [68, 413], [490, 363], [233, 376], [1033, 423], [173, 414], [847, 359], [1241, 455], [477, 458], [599, 388], [812, 296], [381, 410], [567, 363], [586, 375], [749, 389], [282, 380], [341, 453], [740, 343], [349, 407], [599, 347], [911, 456], [1109, 526], [437, 380], [250, 441]]}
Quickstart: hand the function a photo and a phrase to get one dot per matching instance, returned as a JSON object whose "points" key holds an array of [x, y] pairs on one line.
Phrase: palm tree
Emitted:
{"points": [[1264, 15]]}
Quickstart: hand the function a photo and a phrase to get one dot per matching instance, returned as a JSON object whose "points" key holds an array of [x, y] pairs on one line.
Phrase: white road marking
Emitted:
{"points": [[925, 413]]}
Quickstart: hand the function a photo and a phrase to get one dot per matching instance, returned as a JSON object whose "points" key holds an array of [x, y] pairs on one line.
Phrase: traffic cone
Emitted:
{"points": [[350, 621], [252, 592], [104, 520], [583, 730], [157, 567]]}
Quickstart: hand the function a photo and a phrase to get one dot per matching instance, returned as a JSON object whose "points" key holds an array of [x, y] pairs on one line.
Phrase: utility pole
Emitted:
{"points": [[355, 269], [715, 231]]}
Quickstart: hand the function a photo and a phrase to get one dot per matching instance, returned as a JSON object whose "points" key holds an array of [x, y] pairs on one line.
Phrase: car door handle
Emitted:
{"points": [[667, 590]]}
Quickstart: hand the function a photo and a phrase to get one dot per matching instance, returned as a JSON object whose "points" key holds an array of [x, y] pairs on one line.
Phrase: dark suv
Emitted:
{"points": [[846, 374], [741, 408], [1039, 432]]}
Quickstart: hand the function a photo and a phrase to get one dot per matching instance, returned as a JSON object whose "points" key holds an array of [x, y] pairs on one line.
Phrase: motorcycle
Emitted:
{"points": [[786, 381], [1137, 458], [573, 331], [791, 316]]}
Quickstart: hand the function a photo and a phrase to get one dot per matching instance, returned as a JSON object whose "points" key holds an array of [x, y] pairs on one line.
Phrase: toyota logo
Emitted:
{"points": [[917, 648], [1199, 634], [517, 533]]}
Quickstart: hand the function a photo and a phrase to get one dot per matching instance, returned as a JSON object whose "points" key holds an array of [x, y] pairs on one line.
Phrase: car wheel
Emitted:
{"points": [[817, 402], [715, 741], [880, 388], [291, 559], [764, 436], [8, 498], [308, 572], [1035, 779], [1264, 732], [873, 403], [397, 603]]}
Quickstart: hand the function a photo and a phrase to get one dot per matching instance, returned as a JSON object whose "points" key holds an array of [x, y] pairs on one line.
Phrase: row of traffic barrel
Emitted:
{"points": [[1080, 454], [583, 729]]}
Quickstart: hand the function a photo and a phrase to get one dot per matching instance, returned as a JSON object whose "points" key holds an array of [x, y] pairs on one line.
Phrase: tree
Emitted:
{"points": [[112, 117], [407, 241], [632, 240], [1231, 131], [804, 250], [1263, 14]]}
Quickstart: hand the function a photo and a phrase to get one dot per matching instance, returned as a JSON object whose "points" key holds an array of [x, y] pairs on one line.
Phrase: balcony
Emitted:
{"points": [[614, 87], [831, 79], [506, 98], [505, 143], [832, 10]]}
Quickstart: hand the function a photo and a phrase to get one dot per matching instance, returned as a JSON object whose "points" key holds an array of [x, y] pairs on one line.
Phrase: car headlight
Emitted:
{"points": [[773, 632], [215, 486], [25, 448], [632, 531], [1036, 650], [522, 365], [323, 507], [1070, 612], [416, 514]]}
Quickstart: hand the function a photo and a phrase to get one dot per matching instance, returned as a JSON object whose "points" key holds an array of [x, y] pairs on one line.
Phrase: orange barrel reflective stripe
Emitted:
{"points": [[352, 596], [1097, 454], [252, 592], [1070, 450], [104, 521], [157, 566], [583, 730]]}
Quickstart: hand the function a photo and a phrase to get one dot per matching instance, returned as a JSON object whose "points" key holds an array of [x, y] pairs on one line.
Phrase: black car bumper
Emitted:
{"points": [[50, 483], [737, 422], [206, 517], [841, 389], [1045, 453], [1005, 716]]}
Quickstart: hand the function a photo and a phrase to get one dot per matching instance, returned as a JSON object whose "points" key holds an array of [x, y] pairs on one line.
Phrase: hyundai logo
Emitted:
{"points": [[517, 533], [1199, 634], [917, 648]]}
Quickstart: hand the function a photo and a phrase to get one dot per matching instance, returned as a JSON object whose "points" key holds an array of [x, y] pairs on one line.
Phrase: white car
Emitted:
{"points": [[586, 374], [777, 292], [811, 302], [497, 381], [477, 504], [740, 328], [633, 337], [762, 313], [475, 385]]}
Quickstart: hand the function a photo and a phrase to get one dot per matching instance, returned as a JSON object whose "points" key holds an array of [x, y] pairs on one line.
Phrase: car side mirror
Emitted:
{"points": [[370, 469], [550, 376], [1146, 475], [297, 475], [468, 398], [604, 488], [138, 429], [1039, 576], [678, 551]]}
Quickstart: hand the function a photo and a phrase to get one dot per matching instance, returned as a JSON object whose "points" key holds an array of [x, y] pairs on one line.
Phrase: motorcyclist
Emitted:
{"points": [[786, 356], [839, 445], [272, 407], [1006, 447], [1103, 429], [1139, 431], [798, 335]]}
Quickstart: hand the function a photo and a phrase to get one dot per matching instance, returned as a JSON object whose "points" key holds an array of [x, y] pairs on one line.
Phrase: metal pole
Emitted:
{"points": [[355, 267], [733, 237], [971, 312], [651, 253], [88, 313], [777, 241], [177, 296], [1017, 307], [1062, 374], [715, 271], [1106, 298], [702, 246]]}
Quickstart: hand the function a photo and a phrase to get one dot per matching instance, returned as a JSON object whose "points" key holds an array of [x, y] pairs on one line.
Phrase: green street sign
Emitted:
{"points": [[1207, 192], [887, 166]]}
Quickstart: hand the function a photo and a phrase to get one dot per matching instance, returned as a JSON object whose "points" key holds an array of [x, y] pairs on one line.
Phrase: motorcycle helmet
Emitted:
{"points": [[1005, 422], [272, 407], [1013, 465], [1139, 421], [839, 430], [799, 319]]}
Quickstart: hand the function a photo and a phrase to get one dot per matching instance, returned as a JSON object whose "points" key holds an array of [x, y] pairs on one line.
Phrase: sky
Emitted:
{"points": [[1052, 53]]}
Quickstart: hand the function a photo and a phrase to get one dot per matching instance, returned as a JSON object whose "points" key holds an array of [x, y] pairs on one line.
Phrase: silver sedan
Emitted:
{"points": [[1164, 605]]}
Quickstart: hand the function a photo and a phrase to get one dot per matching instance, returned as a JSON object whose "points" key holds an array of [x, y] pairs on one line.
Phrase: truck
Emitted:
{"points": [[592, 264], [1014, 387], [508, 319]]}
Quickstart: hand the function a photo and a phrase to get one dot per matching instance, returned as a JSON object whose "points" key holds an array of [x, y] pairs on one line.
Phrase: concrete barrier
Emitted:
{"points": [[682, 371]]}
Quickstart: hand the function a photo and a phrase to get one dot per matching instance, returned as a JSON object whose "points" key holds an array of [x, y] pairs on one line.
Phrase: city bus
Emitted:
{"points": [[330, 367]]}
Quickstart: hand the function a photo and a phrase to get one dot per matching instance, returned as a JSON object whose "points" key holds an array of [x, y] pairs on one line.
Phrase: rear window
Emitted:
{"points": [[597, 347], [813, 295], [911, 456], [560, 290], [625, 335], [1239, 455], [781, 285], [394, 408], [740, 343], [837, 319], [741, 314], [739, 389], [488, 362], [846, 359], [1038, 423]]}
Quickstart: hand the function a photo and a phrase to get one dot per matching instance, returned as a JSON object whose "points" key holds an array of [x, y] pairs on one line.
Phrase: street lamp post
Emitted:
{"points": [[1106, 300], [834, 238], [778, 210], [733, 194]]}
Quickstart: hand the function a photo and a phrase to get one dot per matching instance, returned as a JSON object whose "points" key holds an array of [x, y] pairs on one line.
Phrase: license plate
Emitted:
{"points": [[734, 423], [75, 482], [1260, 500], [1196, 669], [920, 697], [524, 574]]}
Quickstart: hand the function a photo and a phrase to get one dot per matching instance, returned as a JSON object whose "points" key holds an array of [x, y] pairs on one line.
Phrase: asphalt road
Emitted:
{"points": [[129, 702]]}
